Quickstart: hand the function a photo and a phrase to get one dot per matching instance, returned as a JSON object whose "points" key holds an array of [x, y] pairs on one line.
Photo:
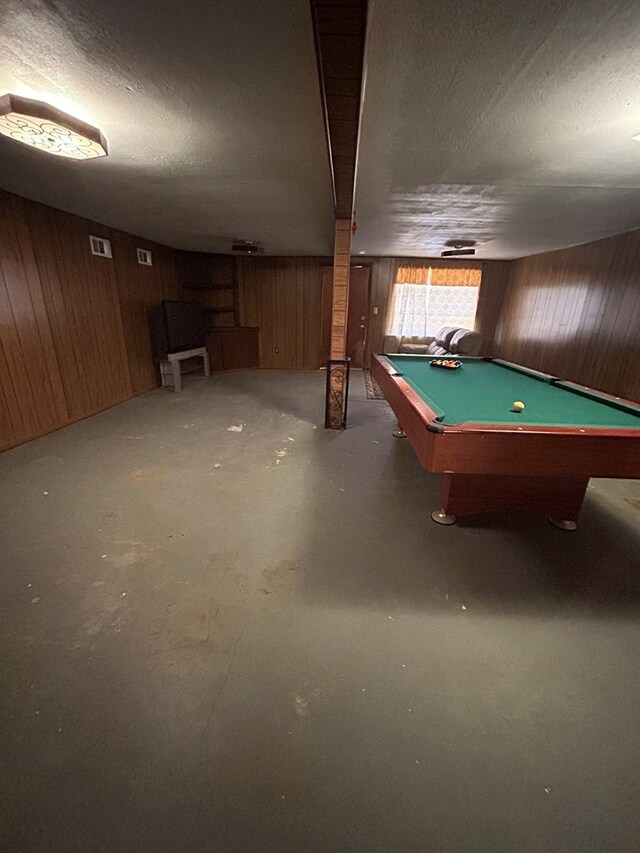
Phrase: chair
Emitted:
{"points": [[450, 340]]}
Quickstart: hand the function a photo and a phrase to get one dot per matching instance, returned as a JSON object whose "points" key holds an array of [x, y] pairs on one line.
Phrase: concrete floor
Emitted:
{"points": [[216, 640]]}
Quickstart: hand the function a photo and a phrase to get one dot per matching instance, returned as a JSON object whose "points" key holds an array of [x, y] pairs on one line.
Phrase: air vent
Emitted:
{"points": [[246, 247], [144, 257], [100, 247]]}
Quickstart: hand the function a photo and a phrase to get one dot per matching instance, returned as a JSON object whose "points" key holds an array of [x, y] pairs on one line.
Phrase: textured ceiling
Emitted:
{"points": [[504, 121], [508, 122], [211, 109]]}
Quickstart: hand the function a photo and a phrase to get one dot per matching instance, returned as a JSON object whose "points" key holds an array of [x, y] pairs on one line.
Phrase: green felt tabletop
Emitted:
{"points": [[483, 392]]}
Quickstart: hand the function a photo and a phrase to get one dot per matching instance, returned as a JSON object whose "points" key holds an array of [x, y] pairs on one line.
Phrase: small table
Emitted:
{"points": [[461, 425], [170, 373]]}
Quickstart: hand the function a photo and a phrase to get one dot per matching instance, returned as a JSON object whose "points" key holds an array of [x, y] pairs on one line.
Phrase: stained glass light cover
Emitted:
{"points": [[48, 129]]}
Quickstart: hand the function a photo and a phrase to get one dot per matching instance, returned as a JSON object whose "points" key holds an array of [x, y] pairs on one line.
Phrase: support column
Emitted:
{"points": [[338, 366]]}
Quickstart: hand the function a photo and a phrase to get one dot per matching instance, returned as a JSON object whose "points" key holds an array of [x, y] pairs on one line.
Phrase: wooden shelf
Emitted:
{"points": [[208, 310], [233, 328], [209, 286]]}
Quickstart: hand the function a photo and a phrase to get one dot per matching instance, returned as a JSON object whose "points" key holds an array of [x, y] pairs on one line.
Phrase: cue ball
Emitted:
{"points": [[518, 406]]}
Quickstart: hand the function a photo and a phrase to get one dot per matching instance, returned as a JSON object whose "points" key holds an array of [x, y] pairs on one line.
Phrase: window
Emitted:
{"points": [[426, 299]]}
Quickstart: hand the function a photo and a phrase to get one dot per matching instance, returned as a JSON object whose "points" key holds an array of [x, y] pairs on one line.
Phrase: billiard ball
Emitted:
{"points": [[518, 406]]}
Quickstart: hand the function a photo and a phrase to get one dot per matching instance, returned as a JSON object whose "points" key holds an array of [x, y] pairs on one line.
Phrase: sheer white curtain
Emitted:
{"points": [[410, 310], [423, 309]]}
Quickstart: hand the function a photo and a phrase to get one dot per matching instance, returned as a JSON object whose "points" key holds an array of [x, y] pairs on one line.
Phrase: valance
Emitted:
{"points": [[439, 276]]}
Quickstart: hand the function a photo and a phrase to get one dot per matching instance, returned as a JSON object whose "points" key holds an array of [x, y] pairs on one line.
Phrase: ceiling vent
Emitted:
{"points": [[246, 247], [458, 248]]}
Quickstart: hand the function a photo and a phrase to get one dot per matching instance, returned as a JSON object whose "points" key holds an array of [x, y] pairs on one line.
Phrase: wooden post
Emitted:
{"points": [[338, 367], [339, 30]]}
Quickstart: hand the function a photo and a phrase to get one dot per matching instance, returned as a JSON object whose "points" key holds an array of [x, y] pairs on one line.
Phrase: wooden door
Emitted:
{"points": [[358, 319]]}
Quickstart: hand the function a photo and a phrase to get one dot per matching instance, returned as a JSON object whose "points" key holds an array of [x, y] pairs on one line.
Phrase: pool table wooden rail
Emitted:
{"points": [[488, 467]]}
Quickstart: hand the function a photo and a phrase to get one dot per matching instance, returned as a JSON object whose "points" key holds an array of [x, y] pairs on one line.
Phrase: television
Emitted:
{"points": [[177, 326]]}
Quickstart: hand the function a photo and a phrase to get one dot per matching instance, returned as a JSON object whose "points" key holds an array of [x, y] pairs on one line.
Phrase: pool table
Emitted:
{"points": [[461, 425]]}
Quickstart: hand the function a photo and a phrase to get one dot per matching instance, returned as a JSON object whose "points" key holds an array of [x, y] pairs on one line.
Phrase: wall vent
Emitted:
{"points": [[100, 247], [144, 257], [246, 247]]}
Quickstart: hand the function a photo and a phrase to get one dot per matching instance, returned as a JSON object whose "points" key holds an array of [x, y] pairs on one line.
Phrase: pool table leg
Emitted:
{"points": [[441, 517], [399, 432], [559, 498], [563, 524]]}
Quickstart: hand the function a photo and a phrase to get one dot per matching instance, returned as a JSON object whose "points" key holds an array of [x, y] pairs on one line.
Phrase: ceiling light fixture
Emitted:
{"points": [[48, 129], [636, 137], [454, 253], [459, 247]]}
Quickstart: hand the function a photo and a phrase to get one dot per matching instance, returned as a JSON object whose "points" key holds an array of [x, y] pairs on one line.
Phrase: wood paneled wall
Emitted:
{"points": [[74, 333], [74, 336], [576, 313], [495, 279], [283, 297]]}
